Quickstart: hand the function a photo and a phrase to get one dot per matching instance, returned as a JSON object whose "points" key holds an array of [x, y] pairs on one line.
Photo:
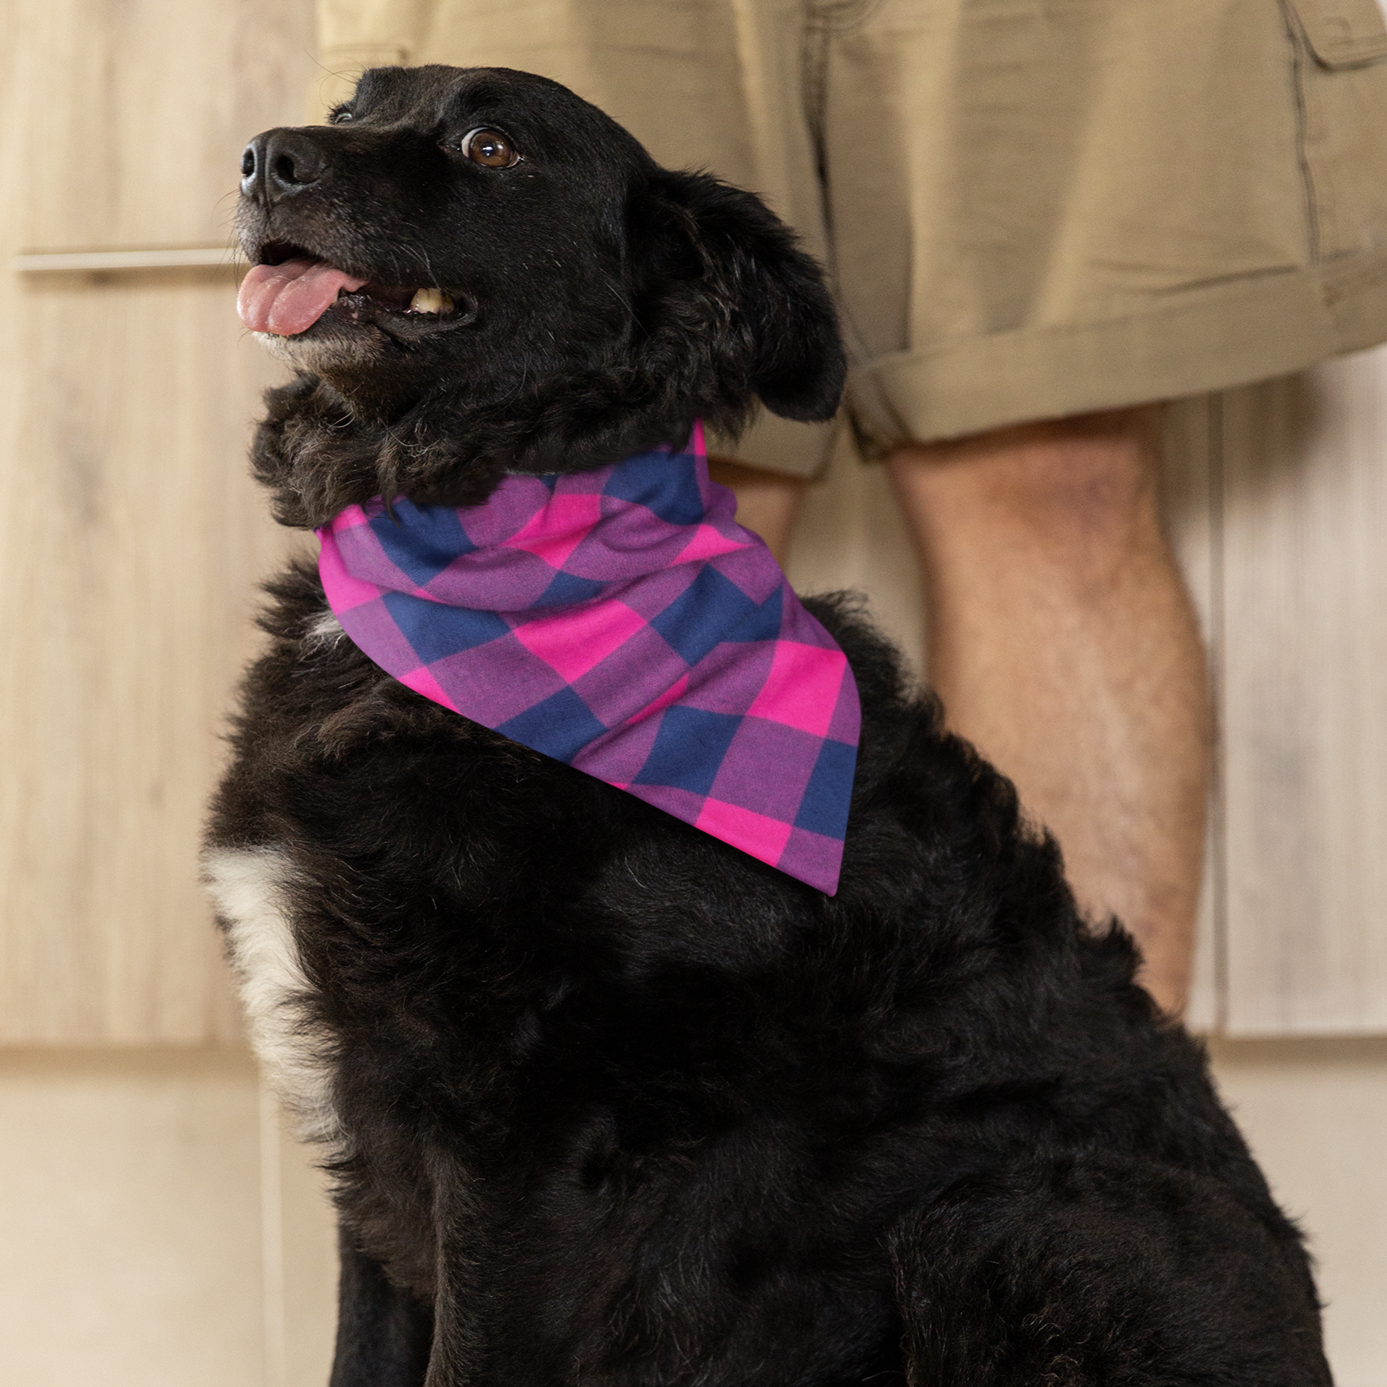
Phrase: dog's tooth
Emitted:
{"points": [[430, 301]]}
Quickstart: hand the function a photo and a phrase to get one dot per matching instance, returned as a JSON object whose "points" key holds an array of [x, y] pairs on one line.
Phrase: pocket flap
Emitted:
{"points": [[1343, 32]]}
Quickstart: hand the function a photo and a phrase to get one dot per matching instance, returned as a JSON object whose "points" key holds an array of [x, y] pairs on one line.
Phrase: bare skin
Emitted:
{"points": [[1062, 641]]}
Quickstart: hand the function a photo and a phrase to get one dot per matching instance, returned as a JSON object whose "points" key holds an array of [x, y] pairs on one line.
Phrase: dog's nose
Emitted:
{"points": [[279, 164]]}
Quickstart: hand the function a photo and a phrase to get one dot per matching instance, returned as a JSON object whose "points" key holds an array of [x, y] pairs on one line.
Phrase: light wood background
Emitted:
{"points": [[132, 541], [132, 537], [159, 1226]]}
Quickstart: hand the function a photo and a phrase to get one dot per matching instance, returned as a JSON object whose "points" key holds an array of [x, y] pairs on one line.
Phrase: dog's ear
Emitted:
{"points": [[719, 270]]}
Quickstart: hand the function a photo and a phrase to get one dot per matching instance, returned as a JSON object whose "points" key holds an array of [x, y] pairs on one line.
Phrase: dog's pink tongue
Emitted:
{"points": [[291, 297]]}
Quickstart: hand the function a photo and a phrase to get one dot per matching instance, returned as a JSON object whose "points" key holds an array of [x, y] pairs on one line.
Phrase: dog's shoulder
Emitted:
{"points": [[325, 735]]}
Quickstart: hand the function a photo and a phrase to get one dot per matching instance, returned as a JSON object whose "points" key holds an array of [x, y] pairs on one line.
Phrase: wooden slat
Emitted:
{"points": [[156, 258], [132, 537], [135, 543], [132, 1248], [135, 113], [1305, 701], [300, 1279], [1192, 479]]}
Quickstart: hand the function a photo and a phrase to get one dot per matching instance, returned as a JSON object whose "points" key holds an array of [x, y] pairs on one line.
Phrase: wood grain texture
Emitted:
{"points": [[1305, 701], [131, 541], [132, 538], [135, 112]]}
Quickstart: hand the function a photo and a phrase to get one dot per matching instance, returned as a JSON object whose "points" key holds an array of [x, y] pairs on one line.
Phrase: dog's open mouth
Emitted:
{"points": [[289, 297]]}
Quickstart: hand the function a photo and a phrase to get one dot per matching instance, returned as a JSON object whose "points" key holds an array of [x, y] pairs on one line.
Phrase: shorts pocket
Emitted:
{"points": [[1343, 33]]}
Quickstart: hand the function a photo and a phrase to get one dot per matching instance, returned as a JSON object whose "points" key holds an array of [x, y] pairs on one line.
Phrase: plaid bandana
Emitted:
{"points": [[619, 620]]}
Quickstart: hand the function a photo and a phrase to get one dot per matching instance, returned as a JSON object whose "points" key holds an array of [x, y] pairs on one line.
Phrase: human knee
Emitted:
{"points": [[1082, 483], [1078, 484]]}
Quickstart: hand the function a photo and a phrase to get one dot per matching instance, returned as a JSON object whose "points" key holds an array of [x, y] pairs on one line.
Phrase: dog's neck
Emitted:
{"points": [[320, 451]]}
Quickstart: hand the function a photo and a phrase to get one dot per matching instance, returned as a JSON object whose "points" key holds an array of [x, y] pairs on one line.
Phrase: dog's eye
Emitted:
{"points": [[341, 115], [489, 148]]}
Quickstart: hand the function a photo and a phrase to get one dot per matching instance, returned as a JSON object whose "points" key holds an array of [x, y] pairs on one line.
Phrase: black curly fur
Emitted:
{"points": [[620, 1105]]}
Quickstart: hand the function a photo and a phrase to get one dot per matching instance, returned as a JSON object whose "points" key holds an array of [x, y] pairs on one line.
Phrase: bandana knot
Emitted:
{"points": [[621, 621]]}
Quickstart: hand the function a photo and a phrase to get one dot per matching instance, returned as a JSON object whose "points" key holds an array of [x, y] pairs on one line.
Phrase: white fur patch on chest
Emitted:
{"points": [[250, 889], [323, 632]]}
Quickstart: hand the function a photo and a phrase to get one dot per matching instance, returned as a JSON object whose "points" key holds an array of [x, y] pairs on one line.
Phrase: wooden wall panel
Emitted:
{"points": [[135, 542], [130, 1220], [134, 112], [132, 537], [1315, 1115], [301, 1257], [1192, 484], [1305, 701]]}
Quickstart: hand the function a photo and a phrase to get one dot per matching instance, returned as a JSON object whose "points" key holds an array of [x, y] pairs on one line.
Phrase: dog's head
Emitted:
{"points": [[476, 272]]}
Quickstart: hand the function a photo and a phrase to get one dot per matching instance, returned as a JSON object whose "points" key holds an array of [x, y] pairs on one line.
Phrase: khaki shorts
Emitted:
{"points": [[1029, 208]]}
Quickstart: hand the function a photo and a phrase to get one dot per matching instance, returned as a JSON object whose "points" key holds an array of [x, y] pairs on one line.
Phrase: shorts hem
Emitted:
{"points": [[1206, 339], [773, 444]]}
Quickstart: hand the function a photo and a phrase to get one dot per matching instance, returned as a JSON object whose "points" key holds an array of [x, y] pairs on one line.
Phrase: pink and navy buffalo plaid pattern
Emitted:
{"points": [[619, 620]]}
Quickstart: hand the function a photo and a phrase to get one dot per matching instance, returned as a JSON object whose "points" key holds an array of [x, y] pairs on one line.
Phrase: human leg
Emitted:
{"points": [[1062, 642]]}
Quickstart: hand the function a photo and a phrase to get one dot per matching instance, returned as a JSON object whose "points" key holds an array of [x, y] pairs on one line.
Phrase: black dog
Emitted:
{"points": [[606, 1100]]}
